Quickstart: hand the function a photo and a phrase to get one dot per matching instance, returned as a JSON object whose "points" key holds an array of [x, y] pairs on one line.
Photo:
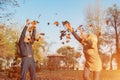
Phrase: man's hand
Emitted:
{"points": [[67, 25], [28, 22], [34, 23]]}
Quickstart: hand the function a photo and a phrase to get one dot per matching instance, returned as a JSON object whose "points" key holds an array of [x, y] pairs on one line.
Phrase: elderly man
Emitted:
{"points": [[93, 61], [25, 45]]}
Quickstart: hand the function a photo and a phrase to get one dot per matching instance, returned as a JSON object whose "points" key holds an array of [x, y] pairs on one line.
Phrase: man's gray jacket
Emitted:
{"points": [[26, 48]]}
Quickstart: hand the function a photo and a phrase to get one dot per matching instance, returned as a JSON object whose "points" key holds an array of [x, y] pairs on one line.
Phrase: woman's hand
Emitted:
{"points": [[68, 26]]}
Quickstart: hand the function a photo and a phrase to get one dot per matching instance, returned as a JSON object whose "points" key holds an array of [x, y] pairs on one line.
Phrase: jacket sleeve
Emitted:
{"points": [[77, 37], [33, 36], [23, 34], [88, 42]]}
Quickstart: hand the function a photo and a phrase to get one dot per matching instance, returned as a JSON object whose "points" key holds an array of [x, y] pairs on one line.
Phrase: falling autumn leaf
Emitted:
{"points": [[107, 22], [42, 34], [56, 23], [63, 33], [39, 15], [68, 36], [48, 23], [67, 41], [90, 25], [80, 26], [63, 43]]}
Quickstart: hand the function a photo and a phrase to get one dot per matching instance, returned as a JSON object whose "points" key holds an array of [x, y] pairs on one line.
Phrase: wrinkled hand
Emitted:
{"points": [[67, 25]]}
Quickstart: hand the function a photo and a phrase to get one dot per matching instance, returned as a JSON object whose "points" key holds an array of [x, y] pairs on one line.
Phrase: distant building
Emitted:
{"points": [[54, 61]]}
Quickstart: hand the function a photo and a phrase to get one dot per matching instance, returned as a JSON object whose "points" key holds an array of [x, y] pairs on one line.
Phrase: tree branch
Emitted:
{"points": [[118, 24], [112, 24]]}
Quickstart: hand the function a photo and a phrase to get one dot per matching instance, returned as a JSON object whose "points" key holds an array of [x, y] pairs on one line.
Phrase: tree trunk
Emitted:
{"points": [[117, 50], [111, 59]]}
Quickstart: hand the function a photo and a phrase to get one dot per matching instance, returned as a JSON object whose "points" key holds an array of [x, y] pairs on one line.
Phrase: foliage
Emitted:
{"points": [[9, 44], [94, 17], [70, 55], [113, 17], [38, 45], [4, 3], [8, 8], [7, 41], [95, 21]]}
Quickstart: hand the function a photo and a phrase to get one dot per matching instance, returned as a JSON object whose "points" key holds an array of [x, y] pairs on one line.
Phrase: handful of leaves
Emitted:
{"points": [[33, 25]]}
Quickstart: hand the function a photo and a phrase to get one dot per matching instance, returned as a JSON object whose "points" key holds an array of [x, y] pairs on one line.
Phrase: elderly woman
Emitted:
{"points": [[93, 62]]}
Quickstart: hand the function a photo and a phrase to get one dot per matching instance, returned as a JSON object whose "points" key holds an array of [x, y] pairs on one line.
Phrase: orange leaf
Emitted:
{"points": [[90, 25], [107, 22], [56, 23]]}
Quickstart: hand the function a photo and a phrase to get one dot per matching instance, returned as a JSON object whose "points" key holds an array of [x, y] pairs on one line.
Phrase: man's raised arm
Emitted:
{"points": [[24, 31]]}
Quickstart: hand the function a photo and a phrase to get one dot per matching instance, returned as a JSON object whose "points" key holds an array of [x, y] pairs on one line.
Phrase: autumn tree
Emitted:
{"points": [[70, 55], [113, 17], [95, 19], [94, 15], [8, 8], [4, 4], [4, 8], [39, 49], [7, 41]]}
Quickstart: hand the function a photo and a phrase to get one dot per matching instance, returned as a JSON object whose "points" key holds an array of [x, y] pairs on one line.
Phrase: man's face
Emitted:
{"points": [[27, 39]]}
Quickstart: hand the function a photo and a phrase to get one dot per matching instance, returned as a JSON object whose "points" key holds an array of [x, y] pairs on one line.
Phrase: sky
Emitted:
{"points": [[56, 10]]}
